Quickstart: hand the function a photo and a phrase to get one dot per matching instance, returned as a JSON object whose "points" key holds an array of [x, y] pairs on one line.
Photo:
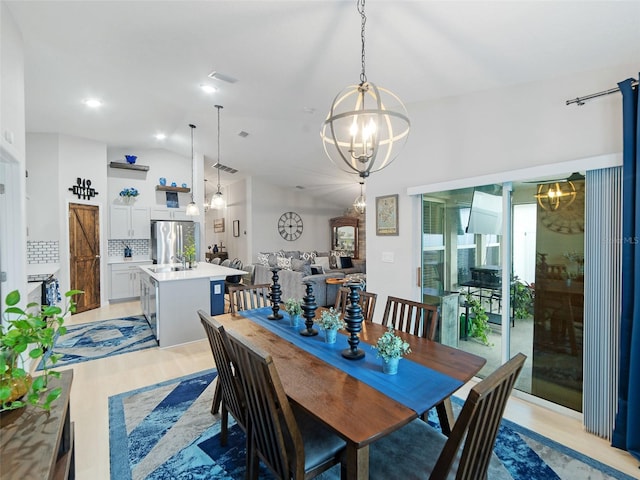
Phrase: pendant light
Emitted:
{"points": [[192, 208], [552, 196], [360, 203], [217, 201], [361, 133]]}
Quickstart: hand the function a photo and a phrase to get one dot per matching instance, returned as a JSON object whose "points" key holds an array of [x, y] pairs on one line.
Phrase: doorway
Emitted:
{"points": [[84, 254]]}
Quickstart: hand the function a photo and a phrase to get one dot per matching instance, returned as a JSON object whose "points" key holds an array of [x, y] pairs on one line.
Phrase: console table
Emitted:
{"points": [[37, 444]]}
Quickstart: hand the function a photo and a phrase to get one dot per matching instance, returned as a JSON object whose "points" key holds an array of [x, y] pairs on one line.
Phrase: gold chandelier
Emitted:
{"points": [[552, 196]]}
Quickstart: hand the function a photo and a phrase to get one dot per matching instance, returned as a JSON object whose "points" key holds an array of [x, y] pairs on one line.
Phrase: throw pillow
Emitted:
{"points": [[317, 269], [263, 259], [333, 261], [284, 263], [295, 254], [301, 266], [334, 258], [311, 256], [345, 262], [323, 262], [273, 260]]}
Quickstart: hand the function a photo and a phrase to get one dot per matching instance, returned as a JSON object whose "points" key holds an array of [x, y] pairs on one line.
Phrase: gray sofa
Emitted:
{"points": [[292, 280]]}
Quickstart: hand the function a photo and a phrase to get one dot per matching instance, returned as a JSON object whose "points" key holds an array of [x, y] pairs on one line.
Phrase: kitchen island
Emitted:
{"points": [[171, 296]]}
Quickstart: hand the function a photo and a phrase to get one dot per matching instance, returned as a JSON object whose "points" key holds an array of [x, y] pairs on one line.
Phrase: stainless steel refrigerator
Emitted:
{"points": [[168, 239]]}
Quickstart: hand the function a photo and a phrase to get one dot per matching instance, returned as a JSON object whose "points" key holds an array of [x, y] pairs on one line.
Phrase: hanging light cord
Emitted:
{"points": [[219, 107], [363, 75], [192, 126]]}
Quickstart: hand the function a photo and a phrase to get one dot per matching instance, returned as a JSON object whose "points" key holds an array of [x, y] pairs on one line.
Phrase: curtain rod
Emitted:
{"points": [[580, 100]]}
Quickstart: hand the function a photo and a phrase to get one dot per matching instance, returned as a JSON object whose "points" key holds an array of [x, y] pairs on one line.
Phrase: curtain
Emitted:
{"points": [[626, 434]]}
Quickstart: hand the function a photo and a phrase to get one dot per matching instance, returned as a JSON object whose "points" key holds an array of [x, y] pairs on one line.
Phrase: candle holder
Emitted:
{"points": [[353, 319], [309, 308], [276, 291]]}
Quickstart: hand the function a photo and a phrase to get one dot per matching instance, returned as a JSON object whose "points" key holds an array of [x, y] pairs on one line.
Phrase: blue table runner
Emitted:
{"points": [[415, 386]]}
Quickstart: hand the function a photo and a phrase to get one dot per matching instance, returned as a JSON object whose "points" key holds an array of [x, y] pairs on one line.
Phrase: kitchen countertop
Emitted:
{"points": [[134, 259], [203, 270]]}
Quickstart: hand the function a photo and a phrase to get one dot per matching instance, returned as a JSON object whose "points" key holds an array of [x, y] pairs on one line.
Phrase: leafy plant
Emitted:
{"points": [[522, 297], [390, 345], [479, 322], [189, 251], [293, 306], [330, 319], [129, 192], [31, 331]]}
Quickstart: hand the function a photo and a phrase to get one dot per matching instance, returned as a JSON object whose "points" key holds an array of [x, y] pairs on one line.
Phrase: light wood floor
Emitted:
{"points": [[95, 381]]}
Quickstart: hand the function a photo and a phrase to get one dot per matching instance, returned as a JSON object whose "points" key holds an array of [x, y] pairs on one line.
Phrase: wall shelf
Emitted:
{"points": [[129, 166], [164, 188]]}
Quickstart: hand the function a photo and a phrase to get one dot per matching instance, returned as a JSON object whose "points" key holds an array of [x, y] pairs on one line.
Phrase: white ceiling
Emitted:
{"points": [[146, 59]]}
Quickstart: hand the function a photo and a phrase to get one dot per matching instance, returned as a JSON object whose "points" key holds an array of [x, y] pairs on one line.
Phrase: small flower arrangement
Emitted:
{"points": [[390, 345], [129, 192], [330, 319], [293, 306]]}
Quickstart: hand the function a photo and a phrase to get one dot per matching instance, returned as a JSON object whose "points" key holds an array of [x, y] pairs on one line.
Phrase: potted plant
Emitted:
{"points": [[391, 348], [331, 322], [30, 331], [293, 307], [479, 322], [129, 195]]}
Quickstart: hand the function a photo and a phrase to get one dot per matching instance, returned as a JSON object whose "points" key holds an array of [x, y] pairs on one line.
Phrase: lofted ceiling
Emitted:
{"points": [[147, 59]]}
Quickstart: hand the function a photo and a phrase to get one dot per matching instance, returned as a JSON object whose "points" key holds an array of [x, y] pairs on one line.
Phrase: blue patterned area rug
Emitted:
{"points": [[167, 431], [90, 341]]}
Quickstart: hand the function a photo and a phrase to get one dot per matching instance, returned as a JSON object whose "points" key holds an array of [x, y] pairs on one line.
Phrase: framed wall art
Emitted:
{"points": [[218, 225], [236, 228], [387, 215]]}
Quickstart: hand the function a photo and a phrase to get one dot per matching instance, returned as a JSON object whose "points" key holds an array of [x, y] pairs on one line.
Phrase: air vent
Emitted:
{"points": [[243, 134], [222, 77], [224, 168]]}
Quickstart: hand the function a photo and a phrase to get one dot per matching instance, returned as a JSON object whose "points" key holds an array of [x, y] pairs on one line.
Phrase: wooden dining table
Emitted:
{"points": [[357, 412]]}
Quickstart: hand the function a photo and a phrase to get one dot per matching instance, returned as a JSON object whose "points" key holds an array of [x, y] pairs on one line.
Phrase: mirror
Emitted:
{"points": [[344, 235]]}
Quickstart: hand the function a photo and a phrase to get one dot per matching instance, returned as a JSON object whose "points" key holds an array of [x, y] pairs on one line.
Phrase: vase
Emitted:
{"points": [[390, 366], [18, 386], [330, 335], [294, 320], [127, 200]]}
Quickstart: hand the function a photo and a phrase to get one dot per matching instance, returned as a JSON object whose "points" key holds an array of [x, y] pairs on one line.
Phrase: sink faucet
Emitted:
{"points": [[182, 259]]}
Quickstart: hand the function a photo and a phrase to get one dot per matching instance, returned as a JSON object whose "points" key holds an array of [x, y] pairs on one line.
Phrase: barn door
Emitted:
{"points": [[84, 254]]}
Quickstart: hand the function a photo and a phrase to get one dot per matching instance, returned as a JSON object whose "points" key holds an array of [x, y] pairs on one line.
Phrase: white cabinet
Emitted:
{"points": [[125, 280], [129, 222], [164, 213]]}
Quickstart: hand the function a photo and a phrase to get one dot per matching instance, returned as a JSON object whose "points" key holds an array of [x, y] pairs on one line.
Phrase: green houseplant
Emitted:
{"points": [[479, 322], [391, 348], [331, 322], [30, 331], [522, 297], [293, 307]]}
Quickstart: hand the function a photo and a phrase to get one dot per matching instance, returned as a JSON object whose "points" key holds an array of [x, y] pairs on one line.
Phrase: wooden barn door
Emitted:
{"points": [[84, 254]]}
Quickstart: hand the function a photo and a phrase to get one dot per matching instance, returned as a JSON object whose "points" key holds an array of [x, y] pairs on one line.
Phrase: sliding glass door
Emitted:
{"points": [[463, 247]]}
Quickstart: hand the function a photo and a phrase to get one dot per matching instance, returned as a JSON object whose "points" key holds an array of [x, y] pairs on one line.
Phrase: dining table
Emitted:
{"points": [[353, 397]]}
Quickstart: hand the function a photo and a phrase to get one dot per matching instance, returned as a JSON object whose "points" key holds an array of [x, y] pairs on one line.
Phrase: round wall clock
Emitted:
{"points": [[290, 226]]}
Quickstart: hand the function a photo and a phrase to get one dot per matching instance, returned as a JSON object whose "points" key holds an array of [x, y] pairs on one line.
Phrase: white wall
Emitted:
{"points": [[268, 203], [12, 157], [43, 214], [486, 132]]}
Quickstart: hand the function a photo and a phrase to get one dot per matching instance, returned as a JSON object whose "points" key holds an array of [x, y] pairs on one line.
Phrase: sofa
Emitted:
{"points": [[297, 267]]}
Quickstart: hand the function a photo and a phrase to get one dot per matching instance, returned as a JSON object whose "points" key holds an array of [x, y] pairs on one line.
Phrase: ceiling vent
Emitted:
{"points": [[224, 168], [243, 134], [222, 77]]}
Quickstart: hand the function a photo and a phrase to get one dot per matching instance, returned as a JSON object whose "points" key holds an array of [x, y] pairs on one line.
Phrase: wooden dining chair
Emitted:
{"points": [[367, 302], [248, 297], [228, 392], [423, 452], [288, 441]]}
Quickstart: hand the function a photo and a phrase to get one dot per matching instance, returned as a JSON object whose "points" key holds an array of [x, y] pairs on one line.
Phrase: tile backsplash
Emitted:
{"points": [[139, 247], [43, 251]]}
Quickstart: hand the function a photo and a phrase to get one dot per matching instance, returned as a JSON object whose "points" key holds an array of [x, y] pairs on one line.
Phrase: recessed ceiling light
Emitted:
{"points": [[160, 136], [93, 102], [208, 88]]}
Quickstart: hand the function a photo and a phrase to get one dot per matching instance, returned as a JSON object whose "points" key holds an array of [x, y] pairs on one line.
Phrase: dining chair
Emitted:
{"points": [[228, 392], [288, 440], [367, 302], [418, 450], [248, 297], [422, 320], [216, 261]]}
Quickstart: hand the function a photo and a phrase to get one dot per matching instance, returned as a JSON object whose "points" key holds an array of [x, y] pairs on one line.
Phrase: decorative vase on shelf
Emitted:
{"points": [[162, 181], [390, 366], [131, 159], [330, 335]]}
